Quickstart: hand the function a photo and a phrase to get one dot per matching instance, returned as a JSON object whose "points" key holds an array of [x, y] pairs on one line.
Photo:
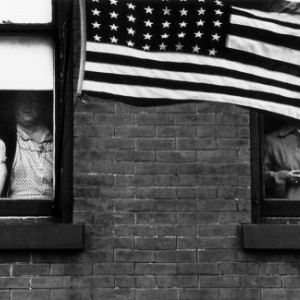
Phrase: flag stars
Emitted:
{"points": [[218, 2], [96, 25], [181, 35], [217, 23], [131, 6], [166, 11], [131, 31], [164, 36], [96, 12], [114, 15], [166, 24], [162, 46], [131, 18], [183, 24], [201, 11], [148, 23], [200, 23], [215, 37], [183, 12], [212, 52], [113, 27], [196, 49], [218, 12], [114, 40], [179, 47], [198, 34], [97, 38], [146, 47], [113, 2], [130, 43], [148, 10], [147, 36]]}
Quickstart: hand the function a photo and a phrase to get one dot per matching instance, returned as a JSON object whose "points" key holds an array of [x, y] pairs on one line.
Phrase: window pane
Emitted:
{"points": [[25, 11], [26, 144], [26, 63], [281, 158]]}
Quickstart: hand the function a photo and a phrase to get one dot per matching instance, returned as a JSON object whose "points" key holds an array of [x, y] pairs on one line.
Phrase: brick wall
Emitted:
{"points": [[162, 191]]}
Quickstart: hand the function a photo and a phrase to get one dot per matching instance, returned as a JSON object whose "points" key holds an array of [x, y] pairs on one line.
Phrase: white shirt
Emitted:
{"points": [[32, 169]]}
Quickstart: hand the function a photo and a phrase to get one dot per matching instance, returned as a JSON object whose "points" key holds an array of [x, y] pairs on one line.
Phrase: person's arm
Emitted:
{"points": [[275, 181]]}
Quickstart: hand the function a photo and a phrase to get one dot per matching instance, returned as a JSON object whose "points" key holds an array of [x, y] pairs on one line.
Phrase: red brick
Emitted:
{"points": [[174, 156], [31, 269], [155, 243], [113, 294], [71, 269], [197, 268], [221, 281], [51, 282], [155, 168], [177, 281], [114, 119], [145, 281], [125, 281], [74, 294], [113, 268], [155, 144], [207, 294], [195, 119], [135, 131], [136, 230], [135, 155], [155, 119], [240, 268], [158, 294], [30, 295], [176, 131], [280, 294], [238, 294], [134, 256], [156, 268], [177, 256], [196, 144], [14, 282]]}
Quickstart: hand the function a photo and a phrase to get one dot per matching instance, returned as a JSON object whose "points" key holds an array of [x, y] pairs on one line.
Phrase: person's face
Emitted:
{"points": [[27, 110]]}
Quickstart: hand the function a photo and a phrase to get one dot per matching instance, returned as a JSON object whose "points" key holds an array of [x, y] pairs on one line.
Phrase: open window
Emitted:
{"points": [[275, 151], [35, 52]]}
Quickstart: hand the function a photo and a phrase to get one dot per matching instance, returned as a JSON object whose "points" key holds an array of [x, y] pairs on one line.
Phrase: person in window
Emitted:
{"points": [[29, 146], [282, 163]]}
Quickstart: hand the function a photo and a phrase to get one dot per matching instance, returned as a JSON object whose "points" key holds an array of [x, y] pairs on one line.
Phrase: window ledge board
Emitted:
{"points": [[271, 236], [41, 236]]}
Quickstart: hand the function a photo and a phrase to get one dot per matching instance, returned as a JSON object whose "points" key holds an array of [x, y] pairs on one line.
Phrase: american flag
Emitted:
{"points": [[206, 50]]}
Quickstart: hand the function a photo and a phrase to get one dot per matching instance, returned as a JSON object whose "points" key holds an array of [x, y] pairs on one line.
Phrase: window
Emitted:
{"points": [[274, 153], [36, 78], [275, 195]]}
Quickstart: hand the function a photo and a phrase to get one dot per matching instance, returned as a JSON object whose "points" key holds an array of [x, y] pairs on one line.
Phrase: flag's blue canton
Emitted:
{"points": [[190, 26]]}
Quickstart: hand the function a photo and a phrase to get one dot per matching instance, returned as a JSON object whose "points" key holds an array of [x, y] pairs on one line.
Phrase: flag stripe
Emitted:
{"points": [[263, 25], [279, 18], [263, 49], [139, 92], [180, 85], [185, 68], [190, 77], [193, 60]]}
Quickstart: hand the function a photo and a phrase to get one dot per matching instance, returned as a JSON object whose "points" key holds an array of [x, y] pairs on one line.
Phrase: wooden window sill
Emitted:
{"points": [[271, 236], [41, 236]]}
